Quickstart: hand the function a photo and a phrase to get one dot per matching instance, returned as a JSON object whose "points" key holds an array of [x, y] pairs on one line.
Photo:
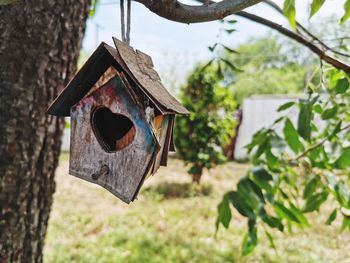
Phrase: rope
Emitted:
{"points": [[128, 26], [122, 20], [125, 35]]}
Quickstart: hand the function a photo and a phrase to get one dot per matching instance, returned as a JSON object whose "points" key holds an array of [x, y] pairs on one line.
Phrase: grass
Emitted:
{"points": [[172, 221]]}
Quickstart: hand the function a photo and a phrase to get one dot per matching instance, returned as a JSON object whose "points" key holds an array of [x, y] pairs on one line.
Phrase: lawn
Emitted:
{"points": [[172, 221]]}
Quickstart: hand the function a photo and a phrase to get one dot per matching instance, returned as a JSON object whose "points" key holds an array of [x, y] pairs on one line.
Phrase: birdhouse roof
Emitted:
{"points": [[138, 67]]}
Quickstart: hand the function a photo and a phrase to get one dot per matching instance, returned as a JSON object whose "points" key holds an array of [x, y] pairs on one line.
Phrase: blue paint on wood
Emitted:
{"points": [[134, 110]]}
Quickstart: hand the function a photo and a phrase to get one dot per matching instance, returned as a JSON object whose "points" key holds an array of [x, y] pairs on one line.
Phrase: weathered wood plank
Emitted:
{"points": [[168, 141], [147, 77], [162, 134], [126, 167]]}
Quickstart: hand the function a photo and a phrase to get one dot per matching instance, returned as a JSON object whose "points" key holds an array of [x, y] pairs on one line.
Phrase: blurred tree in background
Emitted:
{"points": [[201, 136], [261, 66], [268, 67]]}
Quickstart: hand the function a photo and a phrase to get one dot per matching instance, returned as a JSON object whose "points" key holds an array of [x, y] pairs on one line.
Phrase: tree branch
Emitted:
{"points": [[176, 11], [301, 28], [320, 143], [297, 37]]}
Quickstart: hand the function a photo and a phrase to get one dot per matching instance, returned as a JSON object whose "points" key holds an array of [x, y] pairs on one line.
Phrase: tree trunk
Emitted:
{"points": [[39, 46], [196, 177]]}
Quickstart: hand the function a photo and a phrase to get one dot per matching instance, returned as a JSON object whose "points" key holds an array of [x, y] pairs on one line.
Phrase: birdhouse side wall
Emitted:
{"points": [[161, 132]]}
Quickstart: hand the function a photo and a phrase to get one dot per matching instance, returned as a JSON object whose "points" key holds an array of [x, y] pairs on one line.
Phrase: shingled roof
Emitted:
{"points": [[137, 65]]}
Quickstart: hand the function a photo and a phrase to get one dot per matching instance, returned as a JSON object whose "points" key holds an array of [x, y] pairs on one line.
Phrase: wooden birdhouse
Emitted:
{"points": [[122, 119]]}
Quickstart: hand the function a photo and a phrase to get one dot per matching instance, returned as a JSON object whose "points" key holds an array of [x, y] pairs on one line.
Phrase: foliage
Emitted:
{"points": [[93, 7], [295, 173], [336, 36], [265, 65], [347, 11], [315, 6], [306, 166], [290, 12], [200, 136]]}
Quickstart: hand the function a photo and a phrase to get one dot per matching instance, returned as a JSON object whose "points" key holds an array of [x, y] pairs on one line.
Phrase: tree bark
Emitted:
{"points": [[39, 47], [176, 11]]}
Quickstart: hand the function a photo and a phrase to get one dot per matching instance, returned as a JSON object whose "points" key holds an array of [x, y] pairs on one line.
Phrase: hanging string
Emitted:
{"points": [[128, 26], [125, 35], [122, 20]]}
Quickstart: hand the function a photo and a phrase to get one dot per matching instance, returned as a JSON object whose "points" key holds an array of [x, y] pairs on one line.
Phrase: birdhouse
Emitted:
{"points": [[122, 119]]}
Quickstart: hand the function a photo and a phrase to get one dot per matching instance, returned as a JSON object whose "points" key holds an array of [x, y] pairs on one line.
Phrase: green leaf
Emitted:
{"points": [[279, 120], [317, 108], [284, 212], [310, 187], [67, 125], [219, 71], [262, 173], [212, 48], [285, 106], [347, 11], [346, 223], [258, 138], [332, 217], [304, 120], [273, 222], [229, 31], [271, 160], [337, 129], [269, 237], [291, 136], [230, 50], [343, 161], [224, 212], [230, 65], [299, 215], [342, 85], [315, 201], [241, 205], [315, 6], [314, 154], [314, 99], [261, 177], [231, 21], [289, 12], [251, 193], [207, 65], [250, 240], [93, 7], [340, 194], [265, 145], [329, 113]]}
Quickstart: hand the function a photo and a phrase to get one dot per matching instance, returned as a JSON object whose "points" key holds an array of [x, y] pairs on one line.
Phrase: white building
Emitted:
{"points": [[258, 112]]}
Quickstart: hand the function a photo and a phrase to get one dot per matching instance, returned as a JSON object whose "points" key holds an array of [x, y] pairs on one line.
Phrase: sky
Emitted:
{"points": [[176, 47]]}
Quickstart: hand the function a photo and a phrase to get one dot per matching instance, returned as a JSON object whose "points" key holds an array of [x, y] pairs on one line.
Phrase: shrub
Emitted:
{"points": [[201, 136]]}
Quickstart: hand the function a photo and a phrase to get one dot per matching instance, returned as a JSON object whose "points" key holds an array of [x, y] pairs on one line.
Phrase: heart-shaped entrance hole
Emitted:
{"points": [[113, 131]]}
